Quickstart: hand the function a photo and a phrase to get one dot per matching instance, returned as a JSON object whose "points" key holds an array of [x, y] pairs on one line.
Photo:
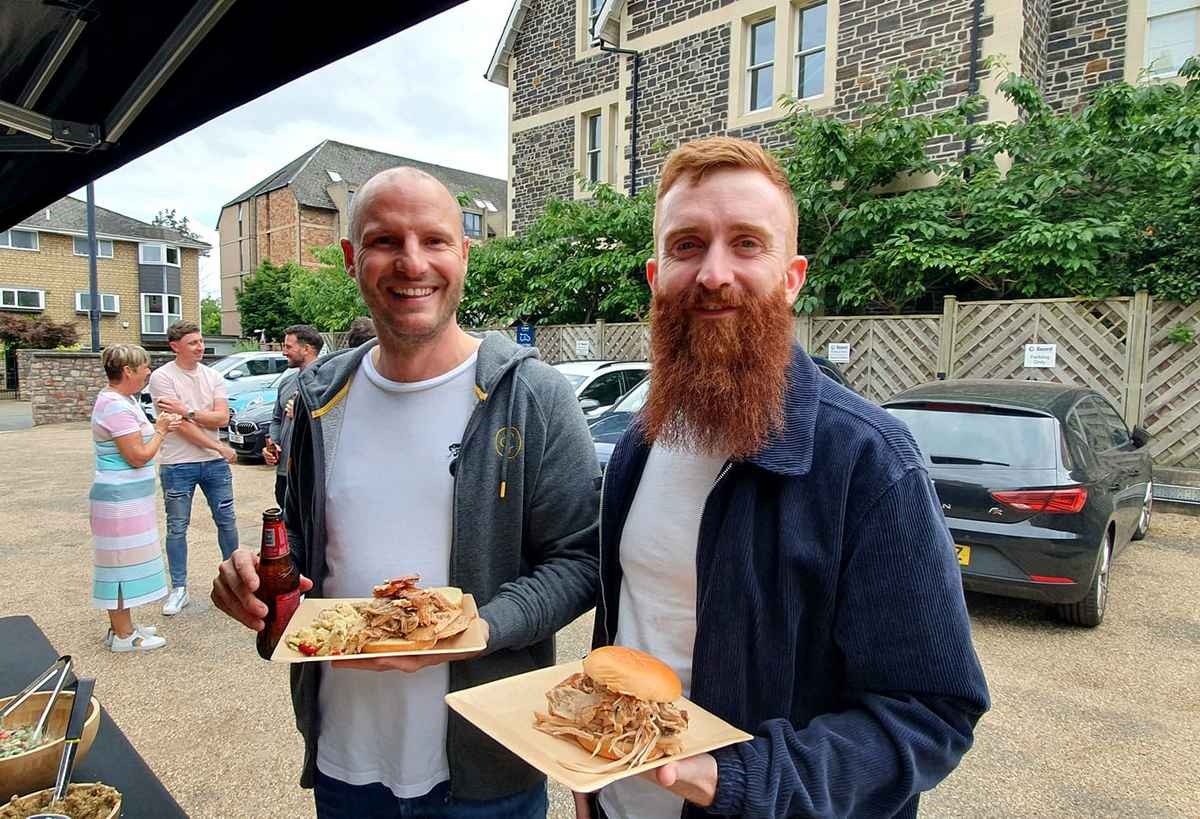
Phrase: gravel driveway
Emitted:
{"points": [[1085, 723]]}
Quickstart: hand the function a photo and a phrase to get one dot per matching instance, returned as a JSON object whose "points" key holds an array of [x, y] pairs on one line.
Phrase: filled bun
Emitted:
{"points": [[633, 672], [380, 646]]}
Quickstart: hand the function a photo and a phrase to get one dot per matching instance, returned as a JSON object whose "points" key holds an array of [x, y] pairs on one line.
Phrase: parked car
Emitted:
{"points": [[250, 419], [240, 398], [1042, 486], [608, 428], [243, 372], [598, 384]]}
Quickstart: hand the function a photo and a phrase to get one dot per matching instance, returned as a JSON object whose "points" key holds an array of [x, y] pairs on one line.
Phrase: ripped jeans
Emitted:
{"points": [[179, 482]]}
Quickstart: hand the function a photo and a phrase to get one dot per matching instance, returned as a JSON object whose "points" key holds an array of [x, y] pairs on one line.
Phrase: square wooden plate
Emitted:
{"points": [[504, 711], [311, 607]]}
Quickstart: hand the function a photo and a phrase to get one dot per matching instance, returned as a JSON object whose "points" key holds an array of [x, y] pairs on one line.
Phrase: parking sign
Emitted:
{"points": [[525, 335]]}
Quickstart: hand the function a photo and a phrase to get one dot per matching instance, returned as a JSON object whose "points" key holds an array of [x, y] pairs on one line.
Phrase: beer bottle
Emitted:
{"points": [[278, 582]]}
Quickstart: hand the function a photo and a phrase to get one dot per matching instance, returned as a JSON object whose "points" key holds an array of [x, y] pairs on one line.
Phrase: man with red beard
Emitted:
{"points": [[773, 537]]}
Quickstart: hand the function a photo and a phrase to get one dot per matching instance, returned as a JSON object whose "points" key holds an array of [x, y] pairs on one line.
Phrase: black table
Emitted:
{"points": [[112, 759]]}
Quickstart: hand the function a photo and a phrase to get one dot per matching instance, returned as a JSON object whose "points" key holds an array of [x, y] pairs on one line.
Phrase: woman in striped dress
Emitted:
{"points": [[128, 562]]}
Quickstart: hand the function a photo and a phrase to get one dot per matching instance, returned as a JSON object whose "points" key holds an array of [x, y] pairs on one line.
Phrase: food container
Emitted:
{"points": [[45, 795], [36, 769]]}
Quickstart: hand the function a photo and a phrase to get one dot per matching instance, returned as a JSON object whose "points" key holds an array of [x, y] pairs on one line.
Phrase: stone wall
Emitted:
{"points": [[547, 74], [543, 167], [63, 386], [1085, 48], [646, 16], [1033, 41]]}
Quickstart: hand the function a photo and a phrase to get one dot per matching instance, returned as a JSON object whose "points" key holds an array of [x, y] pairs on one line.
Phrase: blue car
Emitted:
{"points": [[246, 400]]}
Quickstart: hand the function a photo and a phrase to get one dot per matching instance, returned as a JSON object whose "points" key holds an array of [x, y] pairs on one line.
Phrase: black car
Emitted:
{"points": [[1042, 485], [248, 430], [609, 427]]}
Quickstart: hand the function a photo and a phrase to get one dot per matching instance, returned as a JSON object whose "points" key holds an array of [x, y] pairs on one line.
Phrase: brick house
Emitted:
{"points": [[149, 276], [719, 66], [306, 204]]}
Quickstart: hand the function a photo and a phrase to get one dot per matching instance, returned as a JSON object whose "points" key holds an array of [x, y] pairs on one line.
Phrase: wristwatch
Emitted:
{"points": [[191, 416]]}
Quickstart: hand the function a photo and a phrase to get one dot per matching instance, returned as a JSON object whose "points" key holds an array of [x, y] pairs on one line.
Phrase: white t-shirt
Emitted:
{"points": [[657, 611], [389, 512], [199, 388]]}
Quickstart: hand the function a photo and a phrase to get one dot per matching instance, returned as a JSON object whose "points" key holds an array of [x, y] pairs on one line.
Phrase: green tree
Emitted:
{"points": [[167, 218], [327, 298], [582, 260], [210, 316], [264, 302], [1092, 203]]}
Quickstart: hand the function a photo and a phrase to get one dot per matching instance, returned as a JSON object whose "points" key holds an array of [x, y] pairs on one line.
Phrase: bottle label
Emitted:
{"points": [[285, 607], [274, 542]]}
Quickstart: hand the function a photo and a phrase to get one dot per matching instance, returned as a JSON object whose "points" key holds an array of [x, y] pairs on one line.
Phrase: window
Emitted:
{"points": [[19, 239], [104, 247], [473, 224], [760, 69], [109, 302], [160, 311], [158, 254], [239, 219], [595, 143], [605, 389], [1118, 434], [593, 13], [981, 436], [19, 298], [1092, 416], [811, 34], [1172, 34]]}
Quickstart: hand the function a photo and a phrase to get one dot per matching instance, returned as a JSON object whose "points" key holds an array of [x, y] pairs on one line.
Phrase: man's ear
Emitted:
{"points": [[348, 255], [651, 272], [794, 277]]}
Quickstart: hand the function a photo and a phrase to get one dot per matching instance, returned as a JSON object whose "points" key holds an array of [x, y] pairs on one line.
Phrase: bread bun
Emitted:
{"points": [[613, 750], [633, 672], [380, 646]]}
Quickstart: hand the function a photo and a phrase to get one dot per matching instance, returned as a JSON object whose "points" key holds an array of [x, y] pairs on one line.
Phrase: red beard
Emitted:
{"points": [[718, 384]]}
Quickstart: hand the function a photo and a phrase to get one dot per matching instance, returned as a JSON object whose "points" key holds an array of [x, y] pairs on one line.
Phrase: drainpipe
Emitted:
{"points": [[93, 281], [633, 109], [973, 66]]}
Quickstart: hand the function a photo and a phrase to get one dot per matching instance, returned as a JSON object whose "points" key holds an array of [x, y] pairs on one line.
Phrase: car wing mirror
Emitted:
{"points": [[234, 375], [589, 404]]}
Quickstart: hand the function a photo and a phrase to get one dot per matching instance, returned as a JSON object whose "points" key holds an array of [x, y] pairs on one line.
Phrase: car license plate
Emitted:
{"points": [[963, 553], [235, 438]]}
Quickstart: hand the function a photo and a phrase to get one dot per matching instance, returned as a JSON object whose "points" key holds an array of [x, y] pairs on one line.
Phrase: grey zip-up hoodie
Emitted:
{"points": [[524, 534]]}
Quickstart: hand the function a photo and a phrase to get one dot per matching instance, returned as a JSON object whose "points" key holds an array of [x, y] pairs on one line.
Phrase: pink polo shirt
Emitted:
{"points": [[199, 389]]}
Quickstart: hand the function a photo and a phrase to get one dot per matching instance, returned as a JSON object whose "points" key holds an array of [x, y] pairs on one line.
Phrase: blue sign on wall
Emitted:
{"points": [[525, 334]]}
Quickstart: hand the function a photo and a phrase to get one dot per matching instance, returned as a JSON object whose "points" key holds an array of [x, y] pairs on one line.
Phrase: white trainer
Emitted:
{"points": [[150, 630], [176, 600], [137, 641]]}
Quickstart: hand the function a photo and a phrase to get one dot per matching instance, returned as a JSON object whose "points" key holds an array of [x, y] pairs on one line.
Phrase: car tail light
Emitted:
{"points": [[1044, 578], [1050, 501]]}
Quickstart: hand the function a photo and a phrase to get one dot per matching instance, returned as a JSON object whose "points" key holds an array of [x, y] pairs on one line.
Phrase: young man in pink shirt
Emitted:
{"points": [[195, 455]]}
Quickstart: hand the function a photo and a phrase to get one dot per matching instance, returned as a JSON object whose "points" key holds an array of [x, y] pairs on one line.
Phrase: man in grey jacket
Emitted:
{"points": [[465, 460], [301, 346]]}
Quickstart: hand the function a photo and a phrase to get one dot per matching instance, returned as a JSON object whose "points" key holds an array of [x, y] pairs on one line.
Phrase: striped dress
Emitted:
{"points": [[128, 562]]}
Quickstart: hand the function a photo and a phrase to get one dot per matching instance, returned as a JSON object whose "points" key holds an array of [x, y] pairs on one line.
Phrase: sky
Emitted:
{"points": [[420, 94]]}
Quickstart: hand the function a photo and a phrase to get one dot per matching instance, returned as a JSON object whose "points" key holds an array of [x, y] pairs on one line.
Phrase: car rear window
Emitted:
{"points": [[972, 436]]}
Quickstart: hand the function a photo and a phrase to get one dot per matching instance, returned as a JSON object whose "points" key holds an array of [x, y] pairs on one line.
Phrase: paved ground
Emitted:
{"points": [[1086, 723], [15, 415]]}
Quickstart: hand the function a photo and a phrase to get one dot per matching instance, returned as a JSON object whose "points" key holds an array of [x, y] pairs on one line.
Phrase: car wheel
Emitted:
{"points": [[1090, 610], [1143, 527]]}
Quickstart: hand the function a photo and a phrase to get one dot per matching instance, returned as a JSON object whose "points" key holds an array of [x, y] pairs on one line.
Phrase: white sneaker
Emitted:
{"points": [[148, 630], [176, 600], [137, 641]]}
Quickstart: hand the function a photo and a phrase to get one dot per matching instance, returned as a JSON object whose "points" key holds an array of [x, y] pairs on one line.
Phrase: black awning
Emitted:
{"points": [[89, 85]]}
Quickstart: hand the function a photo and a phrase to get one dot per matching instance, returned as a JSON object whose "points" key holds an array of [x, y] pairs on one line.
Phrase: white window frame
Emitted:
{"points": [[163, 248], [799, 54], [467, 233], [1182, 7], [594, 149], [168, 317], [116, 303], [752, 69], [100, 254], [15, 291], [6, 240]]}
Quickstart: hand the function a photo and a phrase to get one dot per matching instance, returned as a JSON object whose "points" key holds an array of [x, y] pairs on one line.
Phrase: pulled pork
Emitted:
{"points": [[621, 724]]}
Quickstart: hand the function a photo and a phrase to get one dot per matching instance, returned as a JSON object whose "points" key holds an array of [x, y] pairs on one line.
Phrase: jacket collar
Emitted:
{"points": [[790, 450]]}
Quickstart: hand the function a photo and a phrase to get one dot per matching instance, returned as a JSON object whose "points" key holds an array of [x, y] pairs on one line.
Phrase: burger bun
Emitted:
{"points": [[632, 672]]}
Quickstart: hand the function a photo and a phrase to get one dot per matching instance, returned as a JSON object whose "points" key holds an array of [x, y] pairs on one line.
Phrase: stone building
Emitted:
{"points": [[719, 67], [306, 204], [149, 276]]}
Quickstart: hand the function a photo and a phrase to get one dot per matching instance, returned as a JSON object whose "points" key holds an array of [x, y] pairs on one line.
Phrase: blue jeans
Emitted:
{"points": [[179, 482], [338, 800]]}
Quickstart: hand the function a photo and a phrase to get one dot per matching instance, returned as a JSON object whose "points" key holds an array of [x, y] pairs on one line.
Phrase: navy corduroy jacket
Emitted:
{"points": [[830, 613]]}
